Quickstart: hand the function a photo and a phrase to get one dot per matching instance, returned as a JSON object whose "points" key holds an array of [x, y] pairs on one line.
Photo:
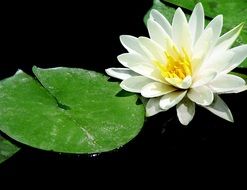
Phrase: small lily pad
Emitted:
{"points": [[7, 149]]}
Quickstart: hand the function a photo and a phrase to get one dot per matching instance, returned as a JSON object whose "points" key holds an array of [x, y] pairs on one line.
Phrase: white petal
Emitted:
{"points": [[135, 84], [185, 111], [240, 54], [157, 33], [226, 82], [120, 73], [237, 90], [196, 22], [196, 64], [153, 107], [131, 44], [201, 95], [219, 108], [201, 50], [152, 49], [163, 22], [142, 67], [156, 89], [132, 58], [226, 41], [218, 61], [216, 25], [180, 31], [182, 84], [148, 72], [203, 44], [204, 78], [169, 100]]}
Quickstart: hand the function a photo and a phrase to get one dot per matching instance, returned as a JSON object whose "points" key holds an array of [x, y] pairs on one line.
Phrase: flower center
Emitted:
{"points": [[178, 65]]}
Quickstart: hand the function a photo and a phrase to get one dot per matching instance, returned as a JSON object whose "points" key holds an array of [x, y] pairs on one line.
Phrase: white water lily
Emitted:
{"points": [[182, 64]]}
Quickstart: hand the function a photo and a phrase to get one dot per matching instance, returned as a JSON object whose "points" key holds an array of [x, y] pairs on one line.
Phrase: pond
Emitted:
{"points": [[72, 36]]}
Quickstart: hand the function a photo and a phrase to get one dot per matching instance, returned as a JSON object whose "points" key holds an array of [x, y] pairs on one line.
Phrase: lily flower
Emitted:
{"points": [[183, 63]]}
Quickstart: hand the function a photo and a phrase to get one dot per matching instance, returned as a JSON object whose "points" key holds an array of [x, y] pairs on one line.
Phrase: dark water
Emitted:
{"points": [[51, 35]]}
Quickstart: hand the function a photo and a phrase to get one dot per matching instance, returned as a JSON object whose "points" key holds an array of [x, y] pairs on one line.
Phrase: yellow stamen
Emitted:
{"points": [[178, 65]]}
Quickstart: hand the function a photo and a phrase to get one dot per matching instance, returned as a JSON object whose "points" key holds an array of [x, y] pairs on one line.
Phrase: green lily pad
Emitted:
{"points": [[68, 110], [212, 8], [7, 149]]}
